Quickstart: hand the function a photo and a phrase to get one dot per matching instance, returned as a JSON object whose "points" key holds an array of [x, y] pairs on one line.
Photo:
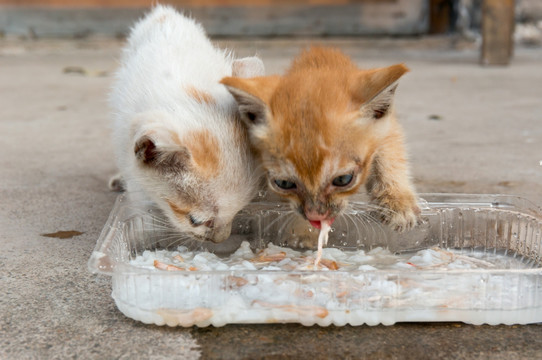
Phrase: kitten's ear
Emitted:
{"points": [[251, 108], [375, 90], [155, 144], [145, 150], [252, 96], [152, 152], [248, 67]]}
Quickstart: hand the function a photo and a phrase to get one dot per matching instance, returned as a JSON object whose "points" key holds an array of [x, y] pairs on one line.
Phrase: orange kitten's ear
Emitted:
{"points": [[375, 89], [252, 96]]}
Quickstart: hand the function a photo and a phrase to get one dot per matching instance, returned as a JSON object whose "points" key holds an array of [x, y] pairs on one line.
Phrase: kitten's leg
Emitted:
{"points": [[390, 187], [117, 183]]}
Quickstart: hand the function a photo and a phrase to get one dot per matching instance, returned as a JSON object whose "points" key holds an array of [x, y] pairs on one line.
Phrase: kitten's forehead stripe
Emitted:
{"points": [[200, 96], [308, 166], [205, 151]]}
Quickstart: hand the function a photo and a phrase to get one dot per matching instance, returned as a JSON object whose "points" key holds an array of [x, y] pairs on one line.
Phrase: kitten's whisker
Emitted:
{"points": [[159, 226], [347, 220], [372, 224], [159, 222], [342, 223], [353, 221], [369, 217], [177, 237], [382, 209], [347, 225], [279, 217], [286, 223]]}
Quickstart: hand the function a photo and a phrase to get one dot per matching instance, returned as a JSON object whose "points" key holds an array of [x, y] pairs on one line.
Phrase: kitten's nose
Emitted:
{"points": [[220, 233], [315, 218]]}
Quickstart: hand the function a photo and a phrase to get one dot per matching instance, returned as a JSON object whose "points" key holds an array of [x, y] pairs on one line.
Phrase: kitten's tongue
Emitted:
{"points": [[318, 224]]}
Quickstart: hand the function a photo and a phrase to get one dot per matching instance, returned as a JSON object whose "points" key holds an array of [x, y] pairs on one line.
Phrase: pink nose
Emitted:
{"points": [[314, 216]]}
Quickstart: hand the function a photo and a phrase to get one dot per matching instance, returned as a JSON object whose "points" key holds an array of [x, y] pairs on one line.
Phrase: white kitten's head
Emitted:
{"points": [[197, 166], [199, 178]]}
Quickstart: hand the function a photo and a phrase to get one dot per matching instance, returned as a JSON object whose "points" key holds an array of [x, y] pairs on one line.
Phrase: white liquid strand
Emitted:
{"points": [[322, 240]]}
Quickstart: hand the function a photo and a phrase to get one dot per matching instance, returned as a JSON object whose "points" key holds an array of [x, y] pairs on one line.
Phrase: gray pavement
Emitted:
{"points": [[469, 129]]}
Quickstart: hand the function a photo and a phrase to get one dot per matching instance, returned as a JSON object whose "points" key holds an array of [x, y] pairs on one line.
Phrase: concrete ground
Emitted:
{"points": [[469, 129]]}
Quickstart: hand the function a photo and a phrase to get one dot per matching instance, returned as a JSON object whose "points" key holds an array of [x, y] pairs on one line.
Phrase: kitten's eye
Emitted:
{"points": [[195, 222], [342, 180], [285, 184]]}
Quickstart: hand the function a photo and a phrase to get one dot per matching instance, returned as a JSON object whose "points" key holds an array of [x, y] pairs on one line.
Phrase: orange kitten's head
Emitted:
{"points": [[317, 128]]}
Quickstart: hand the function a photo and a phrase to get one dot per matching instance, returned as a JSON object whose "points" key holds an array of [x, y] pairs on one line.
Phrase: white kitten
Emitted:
{"points": [[178, 137]]}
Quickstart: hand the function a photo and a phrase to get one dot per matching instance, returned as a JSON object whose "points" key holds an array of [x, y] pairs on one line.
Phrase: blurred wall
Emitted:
{"points": [[80, 18]]}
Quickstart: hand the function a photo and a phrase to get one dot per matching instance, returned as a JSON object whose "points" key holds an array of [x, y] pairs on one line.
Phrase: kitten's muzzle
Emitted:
{"points": [[315, 218], [219, 233]]}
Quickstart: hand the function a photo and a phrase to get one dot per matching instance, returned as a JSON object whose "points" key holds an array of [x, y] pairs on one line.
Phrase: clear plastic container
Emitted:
{"points": [[506, 230]]}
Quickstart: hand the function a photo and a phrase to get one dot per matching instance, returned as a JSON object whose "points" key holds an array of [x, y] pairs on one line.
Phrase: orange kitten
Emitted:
{"points": [[324, 129]]}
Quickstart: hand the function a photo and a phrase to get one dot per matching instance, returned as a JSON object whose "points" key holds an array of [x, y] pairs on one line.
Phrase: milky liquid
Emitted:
{"points": [[322, 240]]}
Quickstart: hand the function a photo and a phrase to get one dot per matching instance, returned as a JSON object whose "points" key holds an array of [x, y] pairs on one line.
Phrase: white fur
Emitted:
{"points": [[166, 54]]}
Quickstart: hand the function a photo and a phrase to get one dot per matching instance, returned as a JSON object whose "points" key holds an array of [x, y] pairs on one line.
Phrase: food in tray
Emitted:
{"points": [[280, 258], [279, 284]]}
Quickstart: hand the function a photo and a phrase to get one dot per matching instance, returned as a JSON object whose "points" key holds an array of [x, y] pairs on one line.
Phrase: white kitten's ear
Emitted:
{"points": [[145, 150], [156, 145], [248, 67], [375, 90], [252, 96], [150, 152]]}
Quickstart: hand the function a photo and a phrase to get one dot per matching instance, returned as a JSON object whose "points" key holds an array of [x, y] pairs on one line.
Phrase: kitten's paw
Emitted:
{"points": [[405, 220], [400, 216], [116, 183]]}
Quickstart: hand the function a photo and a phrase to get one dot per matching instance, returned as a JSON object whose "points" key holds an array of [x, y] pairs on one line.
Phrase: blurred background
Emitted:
{"points": [[506, 21], [81, 18]]}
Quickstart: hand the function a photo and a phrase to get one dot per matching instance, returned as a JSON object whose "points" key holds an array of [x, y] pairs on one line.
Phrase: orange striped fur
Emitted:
{"points": [[200, 96], [205, 152]]}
